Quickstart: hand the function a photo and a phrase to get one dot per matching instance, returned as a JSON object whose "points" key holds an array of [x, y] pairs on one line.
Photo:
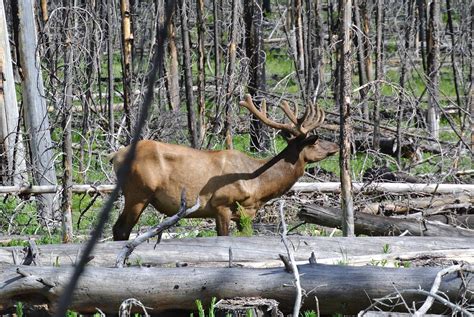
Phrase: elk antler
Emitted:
{"points": [[311, 119]]}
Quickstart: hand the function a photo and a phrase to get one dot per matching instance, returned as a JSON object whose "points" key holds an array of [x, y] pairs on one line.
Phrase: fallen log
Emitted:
{"points": [[248, 251], [407, 205], [380, 225], [338, 288], [335, 187], [327, 187]]}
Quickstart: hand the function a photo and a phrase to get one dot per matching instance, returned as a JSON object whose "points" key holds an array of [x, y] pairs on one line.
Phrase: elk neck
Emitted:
{"points": [[277, 175]]}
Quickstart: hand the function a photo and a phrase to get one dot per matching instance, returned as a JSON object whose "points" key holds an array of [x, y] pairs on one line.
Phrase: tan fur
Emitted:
{"points": [[221, 179]]}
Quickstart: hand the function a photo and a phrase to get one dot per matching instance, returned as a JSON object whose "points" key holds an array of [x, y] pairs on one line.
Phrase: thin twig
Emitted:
{"points": [[434, 289], [294, 267], [167, 223]]}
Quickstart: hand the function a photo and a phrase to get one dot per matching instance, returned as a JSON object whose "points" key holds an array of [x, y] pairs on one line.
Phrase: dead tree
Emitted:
{"points": [[127, 52], [10, 137], [433, 64], [188, 76], [345, 73], [36, 116], [253, 16]]}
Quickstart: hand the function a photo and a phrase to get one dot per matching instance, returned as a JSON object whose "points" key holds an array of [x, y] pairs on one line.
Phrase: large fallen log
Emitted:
{"points": [[381, 225], [253, 251], [328, 187], [338, 288], [437, 203]]}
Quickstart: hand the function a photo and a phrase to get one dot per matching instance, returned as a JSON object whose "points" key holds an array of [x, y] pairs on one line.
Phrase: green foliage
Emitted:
{"points": [[202, 312], [245, 222], [386, 248], [310, 313], [19, 309]]}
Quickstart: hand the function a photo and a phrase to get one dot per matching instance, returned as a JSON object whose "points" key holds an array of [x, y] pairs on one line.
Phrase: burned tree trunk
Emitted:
{"points": [[13, 150], [66, 203], [188, 76], [433, 64], [345, 74], [127, 49], [259, 140], [201, 78], [173, 71], [35, 112]]}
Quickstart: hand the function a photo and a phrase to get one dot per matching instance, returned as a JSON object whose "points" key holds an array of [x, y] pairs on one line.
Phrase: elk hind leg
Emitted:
{"points": [[134, 206]]}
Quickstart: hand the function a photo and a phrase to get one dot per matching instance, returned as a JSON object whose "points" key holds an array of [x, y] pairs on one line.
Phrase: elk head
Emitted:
{"points": [[297, 131]]}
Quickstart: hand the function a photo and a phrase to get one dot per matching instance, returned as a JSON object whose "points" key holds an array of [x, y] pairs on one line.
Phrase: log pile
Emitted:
{"points": [[176, 273]]}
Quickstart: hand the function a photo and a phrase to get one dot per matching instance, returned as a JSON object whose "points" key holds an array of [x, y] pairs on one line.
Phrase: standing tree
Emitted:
{"points": [[433, 64], [36, 115], [10, 137], [127, 50], [345, 81], [188, 75], [66, 204], [253, 16]]}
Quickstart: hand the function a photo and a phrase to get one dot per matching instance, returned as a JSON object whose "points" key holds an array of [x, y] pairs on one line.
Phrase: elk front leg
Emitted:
{"points": [[223, 218], [134, 206]]}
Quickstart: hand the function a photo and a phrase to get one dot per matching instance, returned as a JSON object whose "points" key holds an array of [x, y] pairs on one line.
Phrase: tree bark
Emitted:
{"points": [[173, 72], [378, 73], [433, 65], [110, 67], [339, 288], [361, 39], [260, 251], [230, 76], [66, 203], [188, 76], [259, 140], [345, 69], [201, 79], [36, 116], [380, 225], [127, 49], [471, 86], [10, 135]]}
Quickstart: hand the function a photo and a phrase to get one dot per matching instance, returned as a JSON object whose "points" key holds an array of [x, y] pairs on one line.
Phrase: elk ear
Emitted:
{"points": [[309, 140], [286, 135]]}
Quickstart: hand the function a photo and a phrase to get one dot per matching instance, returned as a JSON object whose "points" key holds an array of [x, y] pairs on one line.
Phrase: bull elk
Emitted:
{"points": [[224, 179]]}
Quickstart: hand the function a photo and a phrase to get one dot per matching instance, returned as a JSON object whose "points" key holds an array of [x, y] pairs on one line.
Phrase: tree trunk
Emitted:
{"points": [[471, 88], [173, 72], [378, 72], [230, 78], [217, 53], [110, 67], [188, 75], [259, 140], [361, 59], [201, 79], [380, 225], [66, 207], [127, 49], [10, 136], [345, 69], [408, 31], [36, 116], [338, 288], [433, 64]]}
